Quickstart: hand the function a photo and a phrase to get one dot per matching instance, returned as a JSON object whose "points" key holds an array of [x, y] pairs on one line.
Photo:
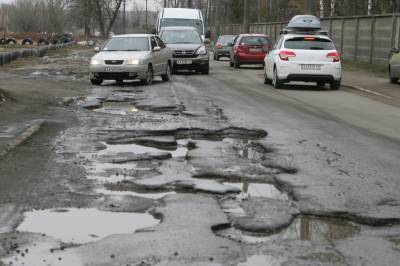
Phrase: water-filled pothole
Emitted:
{"points": [[303, 228], [80, 226], [258, 190], [154, 196], [248, 149], [117, 108], [180, 152]]}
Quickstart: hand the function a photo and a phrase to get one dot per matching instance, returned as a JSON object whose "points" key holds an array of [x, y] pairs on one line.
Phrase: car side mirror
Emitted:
{"points": [[157, 49], [208, 34], [395, 50], [97, 49], [153, 31], [207, 41]]}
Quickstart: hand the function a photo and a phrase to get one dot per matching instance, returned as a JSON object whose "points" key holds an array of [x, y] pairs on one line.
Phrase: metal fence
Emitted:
{"points": [[7, 57], [365, 39]]}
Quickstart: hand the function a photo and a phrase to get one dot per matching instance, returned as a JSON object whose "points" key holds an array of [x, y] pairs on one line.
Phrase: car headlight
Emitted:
{"points": [[133, 61], [202, 50], [95, 62]]}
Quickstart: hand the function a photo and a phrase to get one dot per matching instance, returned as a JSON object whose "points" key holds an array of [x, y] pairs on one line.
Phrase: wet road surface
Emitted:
{"points": [[203, 170]]}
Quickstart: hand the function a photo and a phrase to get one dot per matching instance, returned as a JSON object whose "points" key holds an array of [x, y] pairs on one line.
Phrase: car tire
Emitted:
{"points": [[11, 41], [321, 84], [27, 41], [96, 81], [394, 80], [205, 70], [43, 41], [267, 81], [167, 75], [231, 63], [276, 82], [120, 82], [149, 76], [335, 85], [236, 63]]}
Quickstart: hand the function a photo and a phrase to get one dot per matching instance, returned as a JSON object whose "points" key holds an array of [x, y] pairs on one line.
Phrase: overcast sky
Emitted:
{"points": [[151, 3]]}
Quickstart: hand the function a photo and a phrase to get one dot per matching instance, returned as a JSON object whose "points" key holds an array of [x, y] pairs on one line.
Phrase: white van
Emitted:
{"points": [[175, 17]]}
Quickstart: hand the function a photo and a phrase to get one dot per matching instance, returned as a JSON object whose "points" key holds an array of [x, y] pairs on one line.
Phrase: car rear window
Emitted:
{"points": [[309, 43], [225, 39], [254, 40]]}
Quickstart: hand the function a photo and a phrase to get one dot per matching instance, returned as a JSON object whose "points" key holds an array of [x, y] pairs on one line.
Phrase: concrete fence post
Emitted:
{"points": [[357, 34], [342, 37], [394, 27], [372, 44]]}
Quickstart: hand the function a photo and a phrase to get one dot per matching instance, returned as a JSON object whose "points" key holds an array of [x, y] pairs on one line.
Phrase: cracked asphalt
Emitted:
{"points": [[202, 170]]}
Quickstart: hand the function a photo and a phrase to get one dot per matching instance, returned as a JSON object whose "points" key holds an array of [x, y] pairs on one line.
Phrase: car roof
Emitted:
{"points": [[253, 34], [131, 35], [178, 28]]}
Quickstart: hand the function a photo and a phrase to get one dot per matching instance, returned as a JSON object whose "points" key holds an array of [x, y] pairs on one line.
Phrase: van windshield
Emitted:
{"points": [[180, 36], [178, 22]]}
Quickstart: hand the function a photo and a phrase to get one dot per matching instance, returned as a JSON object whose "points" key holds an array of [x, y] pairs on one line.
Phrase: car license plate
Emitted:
{"points": [[113, 69], [310, 67], [184, 62], [255, 49]]}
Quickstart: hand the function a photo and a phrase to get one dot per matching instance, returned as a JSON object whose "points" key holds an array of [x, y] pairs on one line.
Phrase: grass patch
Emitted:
{"points": [[375, 69]]}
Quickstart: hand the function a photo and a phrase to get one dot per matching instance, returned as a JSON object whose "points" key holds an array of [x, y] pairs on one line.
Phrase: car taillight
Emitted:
{"points": [[242, 48], [285, 55], [335, 56], [219, 46]]}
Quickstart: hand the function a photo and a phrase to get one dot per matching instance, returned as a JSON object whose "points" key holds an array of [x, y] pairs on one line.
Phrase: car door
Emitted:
{"points": [[272, 56], [165, 54], [232, 49], [156, 56]]}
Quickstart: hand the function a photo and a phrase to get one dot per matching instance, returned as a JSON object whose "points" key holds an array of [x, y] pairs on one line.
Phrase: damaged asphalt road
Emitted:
{"points": [[203, 170]]}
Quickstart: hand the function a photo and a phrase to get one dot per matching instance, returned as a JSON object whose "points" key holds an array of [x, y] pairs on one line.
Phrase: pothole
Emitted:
{"points": [[303, 228], [154, 196], [248, 149], [180, 152], [258, 190], [81, 226], [117, 108]]}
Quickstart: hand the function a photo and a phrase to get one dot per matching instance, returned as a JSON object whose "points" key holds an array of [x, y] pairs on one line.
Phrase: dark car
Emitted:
{"points": [[221, 48], [249, 49], [188, 49]]}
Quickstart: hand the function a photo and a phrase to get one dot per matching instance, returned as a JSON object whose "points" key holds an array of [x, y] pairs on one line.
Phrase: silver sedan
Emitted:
{"points": [[131, 56]]}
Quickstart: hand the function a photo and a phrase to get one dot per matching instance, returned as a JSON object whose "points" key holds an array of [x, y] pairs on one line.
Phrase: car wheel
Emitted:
{"points": [[96, 81], [276, 82], [266, 79], [167, 75], [230, 63], [236, 63], [119, 82], [394, 80], [149, 76], [205, 70], [335, 85], [320, 84]]}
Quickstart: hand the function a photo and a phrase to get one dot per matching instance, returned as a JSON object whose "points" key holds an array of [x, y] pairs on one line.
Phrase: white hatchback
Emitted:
{"points": [[300, 57]]}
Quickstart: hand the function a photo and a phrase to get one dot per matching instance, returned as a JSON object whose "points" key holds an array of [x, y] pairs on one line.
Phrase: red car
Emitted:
{"points": [[249, 49]]}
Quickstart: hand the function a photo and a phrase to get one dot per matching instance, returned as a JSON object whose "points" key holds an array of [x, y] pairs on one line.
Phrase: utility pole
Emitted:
{"points": [[146, 18], [310, 7], [124, 19], [246, 15], [190, 3], [217, 19]]}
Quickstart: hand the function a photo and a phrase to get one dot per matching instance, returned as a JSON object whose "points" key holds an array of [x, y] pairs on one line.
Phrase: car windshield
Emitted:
{"points": [[225, 39], [180, 36], [127, 44], [254, 40], [309, 43], [182, 22]]}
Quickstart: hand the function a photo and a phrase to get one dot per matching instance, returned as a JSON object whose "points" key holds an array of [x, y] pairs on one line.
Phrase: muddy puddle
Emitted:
{"points": [[117, 108], [79, 226], [154, 196], [258, 190], [248, 149], [43, 253], [303, 228]]}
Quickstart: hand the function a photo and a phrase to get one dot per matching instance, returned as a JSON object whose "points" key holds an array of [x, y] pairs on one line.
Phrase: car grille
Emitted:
{"points": [[114, 62], [184, 54]]}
